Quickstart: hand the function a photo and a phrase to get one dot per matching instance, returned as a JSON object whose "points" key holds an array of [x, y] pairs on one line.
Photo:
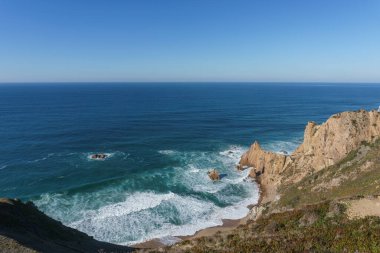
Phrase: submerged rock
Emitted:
{"points": [[100, 156], [213, 175]]}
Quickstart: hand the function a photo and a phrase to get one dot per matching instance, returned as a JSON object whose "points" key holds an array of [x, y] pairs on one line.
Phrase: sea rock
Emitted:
{"points": [[99, 156], [323, 145], [213, 175]]}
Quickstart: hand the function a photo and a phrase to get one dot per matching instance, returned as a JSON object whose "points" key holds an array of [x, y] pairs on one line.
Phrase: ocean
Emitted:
{"points": [[161, 139]]}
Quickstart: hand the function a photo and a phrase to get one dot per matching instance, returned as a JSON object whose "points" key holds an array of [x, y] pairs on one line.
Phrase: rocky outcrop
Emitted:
{"points": [[324, 145], [213, 175], [23, 228], [259, 160], [99, 156]]}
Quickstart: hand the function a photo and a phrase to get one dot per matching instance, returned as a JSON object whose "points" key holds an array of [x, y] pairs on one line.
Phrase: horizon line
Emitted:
{"points": [[188, 82]]}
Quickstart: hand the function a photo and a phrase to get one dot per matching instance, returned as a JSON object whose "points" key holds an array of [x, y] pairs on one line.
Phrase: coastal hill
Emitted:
{"points": [[323, 146], [324, 197]]}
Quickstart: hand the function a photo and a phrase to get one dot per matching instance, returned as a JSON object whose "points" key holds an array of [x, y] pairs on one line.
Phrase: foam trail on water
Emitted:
{"points": [[166, 152], [134, 203], [121, 215], [41, 159]]}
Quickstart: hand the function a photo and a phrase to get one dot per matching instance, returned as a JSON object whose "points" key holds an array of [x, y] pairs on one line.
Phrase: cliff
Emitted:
{"points": [[322, 198], [323, 145], [23, 228]]}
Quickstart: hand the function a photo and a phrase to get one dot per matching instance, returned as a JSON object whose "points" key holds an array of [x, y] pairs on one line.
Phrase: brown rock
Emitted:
{"points": [[324, 145], [213, 175]]}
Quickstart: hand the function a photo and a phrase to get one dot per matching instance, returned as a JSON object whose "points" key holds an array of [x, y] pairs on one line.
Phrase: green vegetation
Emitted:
{"points": [[322, 227], [358, 174]]}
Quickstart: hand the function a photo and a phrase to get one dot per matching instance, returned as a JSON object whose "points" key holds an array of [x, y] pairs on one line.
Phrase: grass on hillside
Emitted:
{"points": [[358, 174], [310, 216], [322, 227]]}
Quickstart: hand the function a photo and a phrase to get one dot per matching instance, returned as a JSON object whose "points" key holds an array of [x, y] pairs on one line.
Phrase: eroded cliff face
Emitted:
{"points": [[324, 145]]}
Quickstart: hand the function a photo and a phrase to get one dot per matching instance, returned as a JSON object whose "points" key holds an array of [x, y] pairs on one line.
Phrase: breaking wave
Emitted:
{"points": [[283, 147], [192, 202]]}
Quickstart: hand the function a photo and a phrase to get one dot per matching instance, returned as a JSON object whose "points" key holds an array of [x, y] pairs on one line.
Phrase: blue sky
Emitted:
{"points": [[190, 40]]}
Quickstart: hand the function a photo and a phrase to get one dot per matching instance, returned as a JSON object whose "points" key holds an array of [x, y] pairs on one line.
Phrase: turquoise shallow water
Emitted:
{"points": [[162, 140]]}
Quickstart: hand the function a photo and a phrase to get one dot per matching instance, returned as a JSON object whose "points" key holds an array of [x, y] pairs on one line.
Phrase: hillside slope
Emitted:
{"points": [[323, 145], [23, 228]]}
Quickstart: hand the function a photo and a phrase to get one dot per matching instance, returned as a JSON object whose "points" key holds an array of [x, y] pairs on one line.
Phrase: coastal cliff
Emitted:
{"points": [[324, 197], [323, 146], [25, 229]]}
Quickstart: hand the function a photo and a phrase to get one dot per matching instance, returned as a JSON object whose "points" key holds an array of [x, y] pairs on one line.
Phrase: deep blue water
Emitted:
{"points": [[162, 138]]}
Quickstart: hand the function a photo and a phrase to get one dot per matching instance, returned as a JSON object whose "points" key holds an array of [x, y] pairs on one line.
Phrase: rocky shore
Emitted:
{"points": [[323, 146], [333, 176], [311, 201]]}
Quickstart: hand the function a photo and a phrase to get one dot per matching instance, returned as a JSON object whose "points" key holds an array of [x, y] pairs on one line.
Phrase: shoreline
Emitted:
{"points": [[228, 225]]}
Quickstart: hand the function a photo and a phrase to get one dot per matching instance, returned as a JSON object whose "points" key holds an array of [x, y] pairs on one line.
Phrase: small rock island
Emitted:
{"points": [[99, 156], [214, 175]]}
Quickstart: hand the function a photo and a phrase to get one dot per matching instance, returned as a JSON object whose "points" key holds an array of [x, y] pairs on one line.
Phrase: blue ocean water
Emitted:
{"points": [[162, 139]]}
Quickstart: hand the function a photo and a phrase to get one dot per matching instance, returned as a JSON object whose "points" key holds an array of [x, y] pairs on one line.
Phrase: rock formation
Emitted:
{"points": [[213, 175], [100, 156], [323, 145]]}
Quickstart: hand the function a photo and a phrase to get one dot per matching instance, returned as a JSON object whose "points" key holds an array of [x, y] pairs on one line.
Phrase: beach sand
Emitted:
{"points": [[227, 226]]}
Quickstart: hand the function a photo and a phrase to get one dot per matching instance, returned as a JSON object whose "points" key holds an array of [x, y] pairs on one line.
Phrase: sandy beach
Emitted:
{"points": [[228, 225]]}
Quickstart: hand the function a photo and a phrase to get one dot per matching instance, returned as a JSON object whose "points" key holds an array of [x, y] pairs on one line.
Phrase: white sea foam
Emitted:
{"points": [[243, 178], [109, 155], [167, 152], [194, 214], [283, 147], [234, 152], [114, 215], [134, 203], [143, 216], [41, 159]]}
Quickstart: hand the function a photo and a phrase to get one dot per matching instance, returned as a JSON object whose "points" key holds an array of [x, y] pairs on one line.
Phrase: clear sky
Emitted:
{"points": [[190, 40]]}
